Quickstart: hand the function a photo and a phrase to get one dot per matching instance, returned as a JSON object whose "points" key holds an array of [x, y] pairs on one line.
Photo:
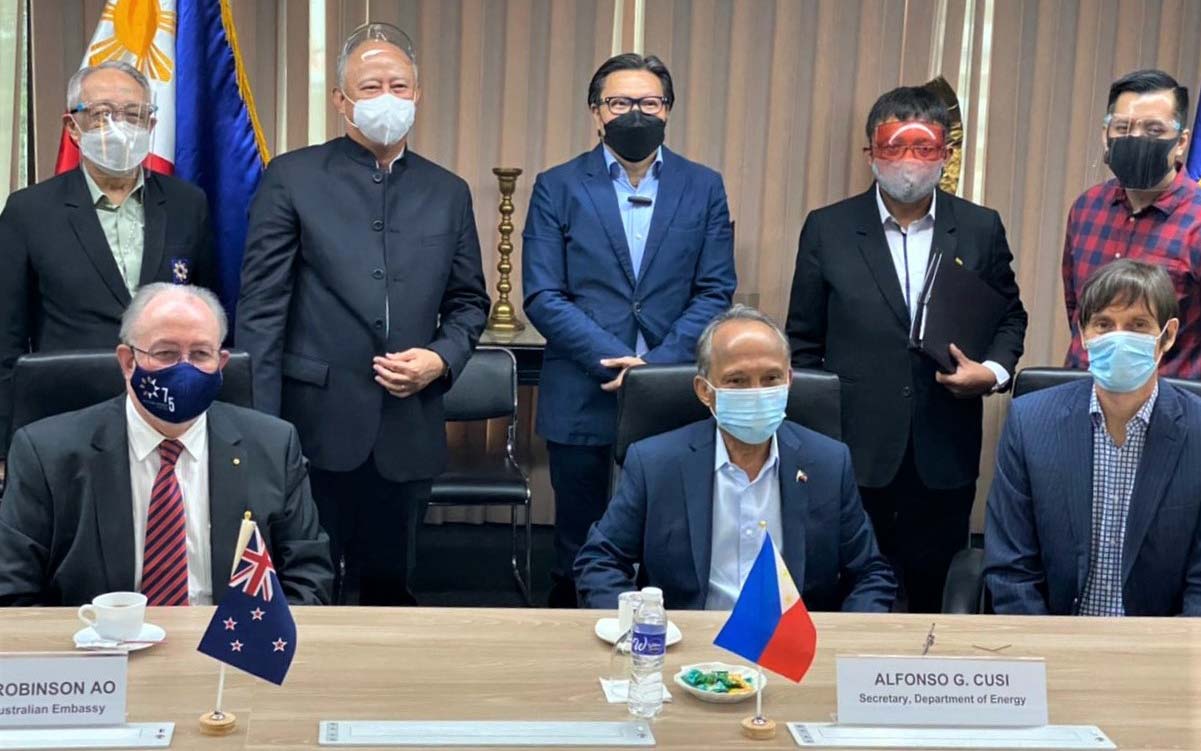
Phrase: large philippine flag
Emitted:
{"points": [[770, 625]]}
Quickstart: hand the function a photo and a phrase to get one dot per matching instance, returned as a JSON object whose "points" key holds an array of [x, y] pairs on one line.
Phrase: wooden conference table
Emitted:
{"points": [[1138, 679]]}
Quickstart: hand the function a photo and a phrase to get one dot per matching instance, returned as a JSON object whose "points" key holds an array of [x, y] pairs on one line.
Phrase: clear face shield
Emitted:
{"points": [[114, 136]]}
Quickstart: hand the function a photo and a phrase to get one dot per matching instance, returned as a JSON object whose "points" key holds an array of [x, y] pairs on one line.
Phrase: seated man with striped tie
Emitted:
{"points": [[146, 492]]}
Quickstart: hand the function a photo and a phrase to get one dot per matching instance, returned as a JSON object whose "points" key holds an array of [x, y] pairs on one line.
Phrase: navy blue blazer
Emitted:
{"points": [[662, 518], [1039, 529], [582, 294]]}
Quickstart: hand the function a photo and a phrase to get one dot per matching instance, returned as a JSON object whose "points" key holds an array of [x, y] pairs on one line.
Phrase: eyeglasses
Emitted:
{"points": [[926, 152], [647, 105], [201, 357], [95, 113], [1118, 126]]}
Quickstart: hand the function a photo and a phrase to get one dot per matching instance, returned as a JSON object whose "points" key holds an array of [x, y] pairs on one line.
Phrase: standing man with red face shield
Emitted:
{"points": [[914, 432]]}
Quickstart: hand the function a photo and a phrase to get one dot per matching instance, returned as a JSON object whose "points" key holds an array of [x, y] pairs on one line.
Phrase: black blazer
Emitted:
{"points": [[60, 287], [847, 314], [334, 246], [66, 521]]}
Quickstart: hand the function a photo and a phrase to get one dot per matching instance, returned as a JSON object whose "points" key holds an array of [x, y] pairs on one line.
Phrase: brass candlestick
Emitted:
{"points": [[503, 317]]}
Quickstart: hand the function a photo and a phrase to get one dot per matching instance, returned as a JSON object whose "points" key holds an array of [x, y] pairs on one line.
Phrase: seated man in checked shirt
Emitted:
{"points": [[1095, 508]]}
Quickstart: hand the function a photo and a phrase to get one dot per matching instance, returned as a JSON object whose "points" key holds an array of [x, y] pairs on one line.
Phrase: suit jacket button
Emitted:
{"points": [[377, 225], [637, 307], [379, 323], [377, 274], [377, 177], [906, 392]]}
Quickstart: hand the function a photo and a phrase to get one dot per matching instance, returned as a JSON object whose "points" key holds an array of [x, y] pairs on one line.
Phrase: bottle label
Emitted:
{"points": [[649, 640]]}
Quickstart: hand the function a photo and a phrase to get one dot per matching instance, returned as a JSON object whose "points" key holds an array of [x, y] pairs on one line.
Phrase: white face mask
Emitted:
{"points": [[384, 119], [116, 147], [907, 181]]}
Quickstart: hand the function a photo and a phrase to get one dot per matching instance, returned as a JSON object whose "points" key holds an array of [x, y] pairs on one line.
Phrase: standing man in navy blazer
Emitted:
{"points": [[628, 254], [693, 504], [1096, 504]]}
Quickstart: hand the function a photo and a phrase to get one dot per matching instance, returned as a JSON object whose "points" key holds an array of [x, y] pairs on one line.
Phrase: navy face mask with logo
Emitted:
{"points": [[175, 394]]}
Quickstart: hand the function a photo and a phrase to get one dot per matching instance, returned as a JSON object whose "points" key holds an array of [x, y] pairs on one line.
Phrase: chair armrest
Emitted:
{"points": [[964, 588]]}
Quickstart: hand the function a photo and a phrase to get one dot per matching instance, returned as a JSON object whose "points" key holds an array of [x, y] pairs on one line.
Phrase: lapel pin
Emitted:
{"points": [[801, 476], [237, 461], [958, 260]]}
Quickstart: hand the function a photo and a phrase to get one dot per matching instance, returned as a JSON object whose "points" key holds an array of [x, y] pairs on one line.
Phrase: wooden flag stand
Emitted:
{"points": [[758, 727], [219, 722]]}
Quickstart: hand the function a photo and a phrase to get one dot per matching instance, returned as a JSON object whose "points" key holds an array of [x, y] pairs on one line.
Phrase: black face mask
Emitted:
{"points": [[634, 135], [1139, 162]]}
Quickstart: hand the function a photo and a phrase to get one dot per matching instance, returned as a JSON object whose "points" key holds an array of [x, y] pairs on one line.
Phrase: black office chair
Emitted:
{"points": [[487, 389], [51, 383], [1029, 380], [657, 398]]}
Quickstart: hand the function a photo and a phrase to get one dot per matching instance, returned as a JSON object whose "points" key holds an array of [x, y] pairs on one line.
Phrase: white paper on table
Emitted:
{"points": [[618, 691]]}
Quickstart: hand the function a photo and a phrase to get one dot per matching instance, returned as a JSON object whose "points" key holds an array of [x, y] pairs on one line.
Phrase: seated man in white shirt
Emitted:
{"points": [[687, 510], [146, 492]]}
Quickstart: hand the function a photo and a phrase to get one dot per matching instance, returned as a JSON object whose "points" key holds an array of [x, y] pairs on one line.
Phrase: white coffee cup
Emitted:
{"points": [[116, 615], [627, 603]]}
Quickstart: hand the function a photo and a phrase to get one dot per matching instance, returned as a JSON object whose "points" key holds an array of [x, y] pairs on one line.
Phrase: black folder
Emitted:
{"points": [[955, 306]]}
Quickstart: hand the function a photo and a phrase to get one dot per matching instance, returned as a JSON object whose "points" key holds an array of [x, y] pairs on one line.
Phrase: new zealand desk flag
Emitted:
{"points": [[252, 628]]}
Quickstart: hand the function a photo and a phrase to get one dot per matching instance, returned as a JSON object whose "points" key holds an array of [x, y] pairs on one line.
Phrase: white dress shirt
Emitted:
{"points": [[192, 472], [910, 250], [739, 505]]}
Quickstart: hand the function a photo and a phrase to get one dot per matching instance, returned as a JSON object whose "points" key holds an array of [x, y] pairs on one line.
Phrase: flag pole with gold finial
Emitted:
{"points": [[219, 722]]}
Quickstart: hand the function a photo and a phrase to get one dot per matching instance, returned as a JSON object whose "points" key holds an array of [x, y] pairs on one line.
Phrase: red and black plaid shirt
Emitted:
{"points": [[1102, 228]]}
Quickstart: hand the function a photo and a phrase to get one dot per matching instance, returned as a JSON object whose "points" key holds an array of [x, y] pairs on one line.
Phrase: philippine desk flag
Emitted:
{"points": [[770, 625], [252, 628], [207, 131]]}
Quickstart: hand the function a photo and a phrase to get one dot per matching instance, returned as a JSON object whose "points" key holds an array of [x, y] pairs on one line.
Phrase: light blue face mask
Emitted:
{"points": [[1122, 361], [750, 415]]}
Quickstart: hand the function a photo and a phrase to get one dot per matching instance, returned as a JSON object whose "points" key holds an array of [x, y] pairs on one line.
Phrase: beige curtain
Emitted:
{"points": [[773, 93], [13, 99]]}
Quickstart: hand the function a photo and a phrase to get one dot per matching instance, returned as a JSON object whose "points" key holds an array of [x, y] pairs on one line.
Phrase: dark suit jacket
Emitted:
{"points": [[60, 287], [1038, 535], [582, 294], [847, 314], [662, 518], [66, 521], [334, 246]]}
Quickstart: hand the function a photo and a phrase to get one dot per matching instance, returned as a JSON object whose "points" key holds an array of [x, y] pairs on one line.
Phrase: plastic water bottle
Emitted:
{"points": [[647, 648]]}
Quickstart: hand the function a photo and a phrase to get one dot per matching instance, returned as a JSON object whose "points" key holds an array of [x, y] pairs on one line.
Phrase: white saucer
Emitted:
{"points": [[710, 696], [606, 630], [87, 638]]}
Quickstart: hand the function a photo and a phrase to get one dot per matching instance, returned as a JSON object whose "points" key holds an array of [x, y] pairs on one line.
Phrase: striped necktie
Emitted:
{"points": [[165, 560]]}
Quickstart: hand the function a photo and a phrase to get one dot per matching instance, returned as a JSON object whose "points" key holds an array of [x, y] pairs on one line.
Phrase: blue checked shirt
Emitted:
{"points": [[635, 219], [1114, 471]]}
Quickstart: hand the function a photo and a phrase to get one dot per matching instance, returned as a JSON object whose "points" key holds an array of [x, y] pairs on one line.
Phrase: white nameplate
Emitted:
{"points": [[62, 689], [452, 733], [1060, 737], [942, 691], [133, 735]]}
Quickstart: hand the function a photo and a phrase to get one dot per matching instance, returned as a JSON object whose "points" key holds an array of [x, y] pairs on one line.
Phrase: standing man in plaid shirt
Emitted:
{"points": [[1095, 508], [1151, 212]]}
